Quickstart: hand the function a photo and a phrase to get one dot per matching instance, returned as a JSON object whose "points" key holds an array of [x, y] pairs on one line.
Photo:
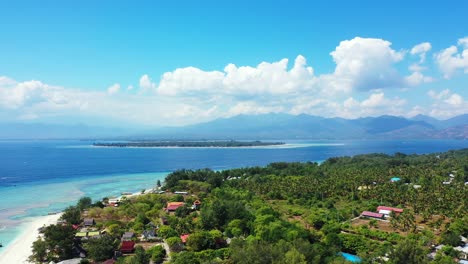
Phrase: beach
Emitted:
{"points": [[20, 249]]}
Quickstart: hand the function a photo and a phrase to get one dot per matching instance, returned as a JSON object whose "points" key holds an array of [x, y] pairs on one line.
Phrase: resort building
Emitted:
{"points": [[127, 236], [127, 247], [172, 206], [386, 211], [89, 222], [368, 214]]}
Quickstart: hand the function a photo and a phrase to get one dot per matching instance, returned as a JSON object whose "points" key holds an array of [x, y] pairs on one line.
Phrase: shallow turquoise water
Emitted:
{"points": [[41, 198]]}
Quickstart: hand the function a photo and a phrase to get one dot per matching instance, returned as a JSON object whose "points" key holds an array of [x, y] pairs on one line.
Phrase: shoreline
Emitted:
{"points": [[19, 250]]}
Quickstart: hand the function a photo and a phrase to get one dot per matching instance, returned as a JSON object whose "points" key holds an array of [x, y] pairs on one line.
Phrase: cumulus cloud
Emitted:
{"points": [[113, 89], [446, 104], [366, 64], [357, 87], [265, 79], [416, 78], [361, 64], [421, 50], [146, 83], [451, 60]]}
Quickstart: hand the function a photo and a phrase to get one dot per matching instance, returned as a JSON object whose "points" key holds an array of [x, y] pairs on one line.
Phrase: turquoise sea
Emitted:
{"points": [[38, 177]]}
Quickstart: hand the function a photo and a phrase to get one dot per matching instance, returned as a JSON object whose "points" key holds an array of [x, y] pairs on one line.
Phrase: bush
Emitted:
{"points": [[157, 253], [175, 244]]}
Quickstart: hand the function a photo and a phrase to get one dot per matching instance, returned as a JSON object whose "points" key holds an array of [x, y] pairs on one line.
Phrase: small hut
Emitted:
{"points": [[127, 247], [127, 236], [89, 222]]}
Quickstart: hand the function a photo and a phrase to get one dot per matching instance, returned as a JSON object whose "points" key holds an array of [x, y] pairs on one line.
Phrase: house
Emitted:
{"points": [[172, 206], [463, 251], [127, 236], [89, 222], [196, 205], [151, 225], [184, 238], [127, 246], [372, 215], [109, 261], [386, 211], [395, 179], [178, 192], [148, 234]]}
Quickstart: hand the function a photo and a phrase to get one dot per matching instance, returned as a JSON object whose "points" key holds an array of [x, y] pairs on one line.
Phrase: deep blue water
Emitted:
{"points": [[37, 177], [23, 162]]}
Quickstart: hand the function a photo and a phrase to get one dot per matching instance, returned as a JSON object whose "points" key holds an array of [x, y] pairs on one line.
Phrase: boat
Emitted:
{"points": [[1, 245]]}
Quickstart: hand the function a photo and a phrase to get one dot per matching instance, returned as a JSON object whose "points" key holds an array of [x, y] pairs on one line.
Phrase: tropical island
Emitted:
{"points": [[187, 144], [373, 208]]}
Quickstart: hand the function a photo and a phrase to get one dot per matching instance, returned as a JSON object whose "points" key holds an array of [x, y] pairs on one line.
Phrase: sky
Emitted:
{"points": [[172, 63]]}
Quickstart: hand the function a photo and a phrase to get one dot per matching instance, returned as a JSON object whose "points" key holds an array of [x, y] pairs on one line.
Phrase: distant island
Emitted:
{"points": [[187, 144]]}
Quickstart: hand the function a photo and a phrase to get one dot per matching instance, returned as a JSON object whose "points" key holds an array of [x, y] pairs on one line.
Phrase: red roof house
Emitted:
{"points": [[392, 209], [372, 214], [127, 246], [184, 238], [173, 206]]}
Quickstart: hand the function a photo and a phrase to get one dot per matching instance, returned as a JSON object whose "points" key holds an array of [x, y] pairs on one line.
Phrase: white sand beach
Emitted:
{"points": [[20, 249]]}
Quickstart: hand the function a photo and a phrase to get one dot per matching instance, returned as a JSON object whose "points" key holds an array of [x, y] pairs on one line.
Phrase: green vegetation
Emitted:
{"points": [[288, 213]]}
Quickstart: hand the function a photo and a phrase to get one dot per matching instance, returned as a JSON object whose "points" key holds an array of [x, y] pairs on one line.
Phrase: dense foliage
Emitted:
{"points": [[295, 213]]}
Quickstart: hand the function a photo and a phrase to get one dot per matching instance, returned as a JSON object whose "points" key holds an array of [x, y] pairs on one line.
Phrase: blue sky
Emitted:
{"points": [[74, 62]]}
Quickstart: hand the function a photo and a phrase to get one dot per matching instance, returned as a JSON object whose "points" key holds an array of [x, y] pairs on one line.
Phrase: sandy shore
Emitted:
{"points": [[20, 249]]}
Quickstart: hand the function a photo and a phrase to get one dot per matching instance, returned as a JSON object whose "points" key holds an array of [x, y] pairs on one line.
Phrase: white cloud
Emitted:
{"points": [[416, 78], [447, 104], [265, 79], [416, 67], [364, 67], [450, 60], [438, 96], [366, 64], [463, 42], [350, 103], [361, 64], [146, 83], [113, 89], [251, 107], [421, 50], [454, 99]]}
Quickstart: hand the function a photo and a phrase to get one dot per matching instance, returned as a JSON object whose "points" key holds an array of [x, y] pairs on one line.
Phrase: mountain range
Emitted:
{"points": [[266, 126], [284, 126]]}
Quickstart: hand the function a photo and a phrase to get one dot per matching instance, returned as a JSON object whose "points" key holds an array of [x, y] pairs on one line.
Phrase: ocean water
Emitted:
{"points": [[38, 177]]}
